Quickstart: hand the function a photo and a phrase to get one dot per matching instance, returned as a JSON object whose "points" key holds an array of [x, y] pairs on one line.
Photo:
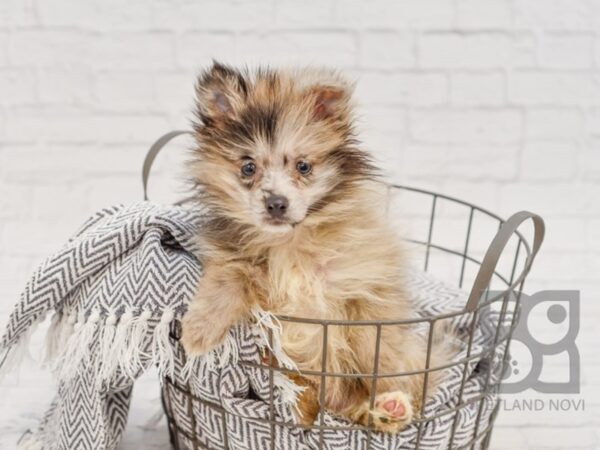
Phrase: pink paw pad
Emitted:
{"points": [[396, 409]]}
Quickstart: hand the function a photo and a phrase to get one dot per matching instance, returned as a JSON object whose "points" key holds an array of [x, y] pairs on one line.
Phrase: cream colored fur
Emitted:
{"points": [[340, 262]]}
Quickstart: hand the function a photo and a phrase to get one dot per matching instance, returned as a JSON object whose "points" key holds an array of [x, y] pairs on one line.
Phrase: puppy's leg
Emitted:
{"points": [[224, 299], [308, 401], [394, 401]]}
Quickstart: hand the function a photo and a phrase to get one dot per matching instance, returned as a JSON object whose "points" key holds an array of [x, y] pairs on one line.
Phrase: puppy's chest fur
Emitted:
{"points": [[336, 280], [320, 283]]}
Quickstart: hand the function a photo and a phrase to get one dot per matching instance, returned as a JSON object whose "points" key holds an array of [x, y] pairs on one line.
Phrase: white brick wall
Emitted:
{"points": [[497, 102]]}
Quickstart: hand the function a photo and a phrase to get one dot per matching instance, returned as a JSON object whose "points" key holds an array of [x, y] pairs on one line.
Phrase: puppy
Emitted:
{"points": [[297, 227]]}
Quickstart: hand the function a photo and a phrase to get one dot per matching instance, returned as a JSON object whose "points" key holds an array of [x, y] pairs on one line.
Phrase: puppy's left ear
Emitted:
{"points": [[330, 102]]}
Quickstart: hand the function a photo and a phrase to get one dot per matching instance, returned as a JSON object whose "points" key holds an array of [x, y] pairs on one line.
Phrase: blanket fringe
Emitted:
{"points": [[12, 357], [266, 321], [108, 343], [136, 353], [29, 442], [121, 341], [77, 351], [163, 355]]}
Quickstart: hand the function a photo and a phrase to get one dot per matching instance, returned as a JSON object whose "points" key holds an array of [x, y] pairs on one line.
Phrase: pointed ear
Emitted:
{"points": [[220, 92], [330, 102]]}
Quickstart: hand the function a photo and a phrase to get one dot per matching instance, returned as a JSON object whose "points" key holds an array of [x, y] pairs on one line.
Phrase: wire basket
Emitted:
{"points": [[450, 239]]}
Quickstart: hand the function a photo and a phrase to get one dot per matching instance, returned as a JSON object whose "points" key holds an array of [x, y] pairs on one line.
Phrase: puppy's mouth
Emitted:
{"points": [[278, 223]]}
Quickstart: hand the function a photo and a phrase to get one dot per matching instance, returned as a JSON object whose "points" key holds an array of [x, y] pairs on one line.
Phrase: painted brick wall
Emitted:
{"points": [[494, 101]]}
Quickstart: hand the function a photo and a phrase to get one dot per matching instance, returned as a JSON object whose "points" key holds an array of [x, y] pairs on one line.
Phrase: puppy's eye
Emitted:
{"points": [[303, 167], [248, 169]]}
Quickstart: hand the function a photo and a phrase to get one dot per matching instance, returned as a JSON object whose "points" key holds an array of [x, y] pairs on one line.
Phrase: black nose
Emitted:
{"points": [[276, 205]]}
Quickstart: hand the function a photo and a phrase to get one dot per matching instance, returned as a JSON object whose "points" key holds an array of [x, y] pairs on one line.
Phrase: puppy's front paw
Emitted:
{"points": [[392, 412], [200, 334]]}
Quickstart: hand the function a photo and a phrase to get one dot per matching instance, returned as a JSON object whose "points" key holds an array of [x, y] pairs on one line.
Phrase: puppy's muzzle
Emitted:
{"points": [[276, 205]]}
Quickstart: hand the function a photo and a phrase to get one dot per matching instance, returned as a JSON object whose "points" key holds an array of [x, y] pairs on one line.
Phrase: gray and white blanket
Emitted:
{"points": [[114, 292]]}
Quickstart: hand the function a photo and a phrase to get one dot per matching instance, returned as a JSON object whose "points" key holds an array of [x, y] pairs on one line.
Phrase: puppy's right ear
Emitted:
{"points": [[220, 93]]}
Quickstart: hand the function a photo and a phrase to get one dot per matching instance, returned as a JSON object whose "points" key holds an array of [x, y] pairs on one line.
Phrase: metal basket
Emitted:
{"points": [[454, 247]]}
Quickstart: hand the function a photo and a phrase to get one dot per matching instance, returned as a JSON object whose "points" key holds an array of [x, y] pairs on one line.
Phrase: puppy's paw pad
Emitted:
{"points": [[391, 412], [394, 408]]}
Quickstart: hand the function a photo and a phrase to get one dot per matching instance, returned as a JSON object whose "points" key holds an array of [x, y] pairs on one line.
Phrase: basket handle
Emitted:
{"points": [[490, 260], [153, 153]]}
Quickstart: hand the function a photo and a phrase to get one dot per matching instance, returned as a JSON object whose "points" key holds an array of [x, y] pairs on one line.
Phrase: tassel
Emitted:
{"points": [[135, 352], [78, 346], [108, 358], [14, 355], [53, 338], [266, 320], [65, 332], [163, 355], [29, 442], [121, 343], [188, 368]]}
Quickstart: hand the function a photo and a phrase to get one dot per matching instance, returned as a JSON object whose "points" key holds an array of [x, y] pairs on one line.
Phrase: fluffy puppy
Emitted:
{"points": [[298, 228]]}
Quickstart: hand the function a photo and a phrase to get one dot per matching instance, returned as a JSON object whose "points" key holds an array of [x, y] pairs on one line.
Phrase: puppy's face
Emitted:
{"points": [[275, 147]]}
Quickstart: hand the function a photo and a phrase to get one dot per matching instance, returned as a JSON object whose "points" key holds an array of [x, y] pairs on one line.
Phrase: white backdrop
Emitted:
{"points": [[496, 102]]}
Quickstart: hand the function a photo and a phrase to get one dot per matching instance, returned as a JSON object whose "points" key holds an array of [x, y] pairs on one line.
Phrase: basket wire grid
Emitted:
{"points": [[473, 261]]}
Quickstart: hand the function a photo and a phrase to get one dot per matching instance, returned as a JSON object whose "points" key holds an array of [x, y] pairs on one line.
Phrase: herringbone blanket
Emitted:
{"points": [[114, 292]]}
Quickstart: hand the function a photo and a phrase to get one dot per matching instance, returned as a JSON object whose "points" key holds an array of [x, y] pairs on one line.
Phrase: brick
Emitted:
{"points": [[30, 238], [50, 48], [64, 202], [196, 50], [386, 50], [124, 91], [478, 89], [69, 163], [15, 201], [508, 438], [17, 87], [402, 88], [557, 199], [107, 15], [466, 126], [4, 48], [52, 127], [17, 13], [475, 50], [474, 14], [549, 161], [483, 193], [574, 228], [214, 15], [66, 87], [175, 93], [590, 162], [307, 14], [558, 438], [484, 163], [593, 121], [15, 272], [133, 51], [552, 88], [333, 49], [390, 121], [559, 51], [554, 14], [554, 123], [394, 13]]}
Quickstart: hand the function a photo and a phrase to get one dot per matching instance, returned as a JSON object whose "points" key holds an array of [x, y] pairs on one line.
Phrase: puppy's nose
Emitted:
{"points": [[276, 205]]}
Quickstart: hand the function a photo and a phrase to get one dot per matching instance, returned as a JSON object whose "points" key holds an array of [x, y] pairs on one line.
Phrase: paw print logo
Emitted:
{"points": [[543, 351]]}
